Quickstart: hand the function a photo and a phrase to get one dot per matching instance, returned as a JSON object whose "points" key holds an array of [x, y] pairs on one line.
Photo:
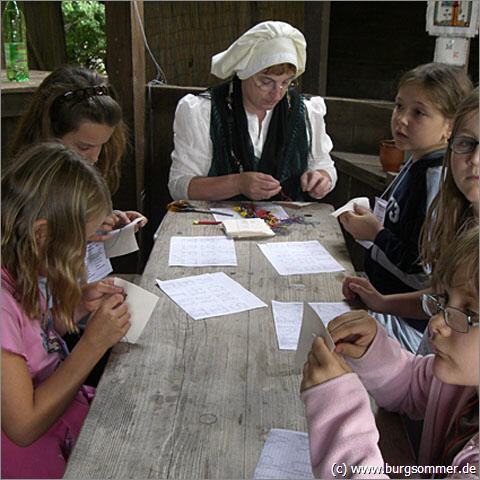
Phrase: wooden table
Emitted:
{"points": [[196, 399]]}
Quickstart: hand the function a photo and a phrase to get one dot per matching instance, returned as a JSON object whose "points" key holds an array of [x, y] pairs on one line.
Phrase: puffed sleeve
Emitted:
{"points": [[321, 143], [192, 154]]}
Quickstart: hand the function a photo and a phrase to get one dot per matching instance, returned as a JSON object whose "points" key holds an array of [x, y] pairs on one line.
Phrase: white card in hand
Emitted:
{"points": [[140, 306], [122, 240], [348, 207], [312, 326]]}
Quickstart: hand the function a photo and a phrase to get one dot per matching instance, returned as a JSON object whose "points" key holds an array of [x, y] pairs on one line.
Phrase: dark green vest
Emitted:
{"points": [[286, 148]]}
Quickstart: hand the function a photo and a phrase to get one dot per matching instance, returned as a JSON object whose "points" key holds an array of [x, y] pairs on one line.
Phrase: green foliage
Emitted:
{"points": [[85, 33]]}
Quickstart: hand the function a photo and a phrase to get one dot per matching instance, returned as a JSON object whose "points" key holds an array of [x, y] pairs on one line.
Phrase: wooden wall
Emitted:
{"points": [[185, 35]]}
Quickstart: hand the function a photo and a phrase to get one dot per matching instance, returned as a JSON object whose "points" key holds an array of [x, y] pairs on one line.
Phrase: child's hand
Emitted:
{"points": [[361, 224], [128, 217], [355, 288], [108, 324], [94, 294], [322, 365], [108, 225], [353, 332]]}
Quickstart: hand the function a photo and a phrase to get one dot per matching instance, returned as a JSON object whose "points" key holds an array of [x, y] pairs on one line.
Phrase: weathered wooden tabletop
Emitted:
{"points": [[196, 399]]}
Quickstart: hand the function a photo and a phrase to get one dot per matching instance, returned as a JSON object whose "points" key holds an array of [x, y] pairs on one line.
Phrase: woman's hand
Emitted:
{"points": [[322, 365], [317, 183], [358, 288], [353, 332], [361, 224], [109, 324], [258, 186]]}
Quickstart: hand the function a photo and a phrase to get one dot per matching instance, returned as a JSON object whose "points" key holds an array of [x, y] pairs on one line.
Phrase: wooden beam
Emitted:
{"points": [[126, 72], [45, 35], [317, 32]]}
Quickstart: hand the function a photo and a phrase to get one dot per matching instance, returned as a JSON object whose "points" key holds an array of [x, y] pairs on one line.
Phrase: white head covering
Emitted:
{"points": [[266, 44]]}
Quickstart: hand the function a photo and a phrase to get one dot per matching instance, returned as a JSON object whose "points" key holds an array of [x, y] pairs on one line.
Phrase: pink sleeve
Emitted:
{"points": [[398, 380], [11, 329], [342, 430]]}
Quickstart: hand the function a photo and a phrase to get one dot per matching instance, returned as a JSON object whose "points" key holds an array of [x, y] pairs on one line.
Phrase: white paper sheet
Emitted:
{"points": [[202, 251], [140, 304], [292, 258], [312, 326], [276, 210], [287, 317], [329, 310], [122, 240], [348, 207], [96, 261], [286, 455], [210, 295]]}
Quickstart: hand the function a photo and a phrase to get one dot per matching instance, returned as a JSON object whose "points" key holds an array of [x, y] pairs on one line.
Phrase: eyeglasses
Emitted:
{"points": [[458, 320], [269, 85], [463, 145], [87, 92]]}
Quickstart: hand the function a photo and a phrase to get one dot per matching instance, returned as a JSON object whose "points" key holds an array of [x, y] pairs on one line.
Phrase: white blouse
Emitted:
{"points": [[192, 156]]}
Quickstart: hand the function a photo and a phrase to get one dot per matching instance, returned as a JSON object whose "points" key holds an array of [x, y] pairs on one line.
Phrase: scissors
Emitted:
{"points": [[185, 206]]}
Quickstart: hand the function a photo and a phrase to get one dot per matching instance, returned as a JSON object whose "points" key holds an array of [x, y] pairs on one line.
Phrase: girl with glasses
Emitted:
{"points": [[254, 136], [422, 122], [441, 389]]}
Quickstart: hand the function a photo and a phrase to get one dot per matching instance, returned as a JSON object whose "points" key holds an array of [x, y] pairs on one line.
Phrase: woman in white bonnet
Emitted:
{"points": [[253, 136]]}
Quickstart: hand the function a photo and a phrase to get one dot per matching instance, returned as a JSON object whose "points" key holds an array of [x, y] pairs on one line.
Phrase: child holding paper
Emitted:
{"points": [[52, 201], [453, 209], [442, 388], [426, 102]]}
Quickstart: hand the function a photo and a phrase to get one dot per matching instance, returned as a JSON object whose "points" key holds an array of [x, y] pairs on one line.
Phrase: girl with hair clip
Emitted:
{"points": [[52, 201], [441, 389], [427, 99], [454, 209], [77, 106]]}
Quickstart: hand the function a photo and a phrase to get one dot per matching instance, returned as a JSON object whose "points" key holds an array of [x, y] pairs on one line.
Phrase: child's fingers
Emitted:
{"points": [[350, 350], [320, 351]]}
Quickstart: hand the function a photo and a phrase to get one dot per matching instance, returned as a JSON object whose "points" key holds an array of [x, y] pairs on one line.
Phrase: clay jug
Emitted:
{"points": [[391, 157]]}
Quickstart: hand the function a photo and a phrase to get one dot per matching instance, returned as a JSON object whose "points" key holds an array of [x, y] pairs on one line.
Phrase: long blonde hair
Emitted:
{"points": [[61, 103], [459, 263], [450, 211], [52, 183]]}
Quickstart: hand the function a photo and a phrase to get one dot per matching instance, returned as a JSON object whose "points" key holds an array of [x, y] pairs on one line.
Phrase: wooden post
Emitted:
{"points": [[45, 35], [317, 32], [126, 72]]}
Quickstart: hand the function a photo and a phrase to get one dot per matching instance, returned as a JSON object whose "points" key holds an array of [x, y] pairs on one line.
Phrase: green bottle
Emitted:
{"points": [[15, 43]]}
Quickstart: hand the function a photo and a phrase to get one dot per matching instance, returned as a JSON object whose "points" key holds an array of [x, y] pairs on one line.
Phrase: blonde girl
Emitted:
{"points": [[52, 200], [441, 389]]}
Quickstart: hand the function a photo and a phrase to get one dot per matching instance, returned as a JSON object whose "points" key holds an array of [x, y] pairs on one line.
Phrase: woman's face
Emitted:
{"points": [[262, 92], [88, 139], [465, 169]]}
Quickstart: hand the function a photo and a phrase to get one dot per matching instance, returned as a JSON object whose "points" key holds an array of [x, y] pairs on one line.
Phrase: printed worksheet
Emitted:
{"points": [[276, 210], [286, 454], [122, 241], [140, 304], [287, 317], [293, 258], [96, 261], [329, 310], [210, 295], [202, 251]]}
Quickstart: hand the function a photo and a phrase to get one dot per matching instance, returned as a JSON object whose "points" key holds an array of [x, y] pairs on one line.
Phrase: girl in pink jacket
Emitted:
{"points": [[441, 388]]}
